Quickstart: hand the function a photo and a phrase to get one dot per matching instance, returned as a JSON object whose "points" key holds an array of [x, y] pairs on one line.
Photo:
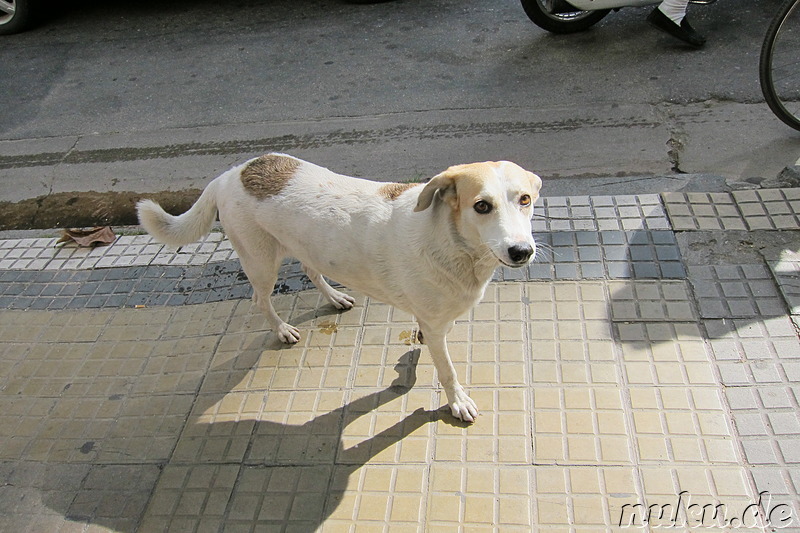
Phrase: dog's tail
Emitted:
{"points": [[182, 229]]}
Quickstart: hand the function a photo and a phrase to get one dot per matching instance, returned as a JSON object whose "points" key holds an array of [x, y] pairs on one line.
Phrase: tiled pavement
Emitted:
{"points": [[633, 367]]}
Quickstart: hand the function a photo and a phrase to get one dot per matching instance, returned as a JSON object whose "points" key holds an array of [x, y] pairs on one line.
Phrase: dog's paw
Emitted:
{"points": [[342, 301], [288, 334], [462, 406]]}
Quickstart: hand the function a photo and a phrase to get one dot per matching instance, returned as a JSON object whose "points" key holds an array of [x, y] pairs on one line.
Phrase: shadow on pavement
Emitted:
{"points": [[129, 495]]}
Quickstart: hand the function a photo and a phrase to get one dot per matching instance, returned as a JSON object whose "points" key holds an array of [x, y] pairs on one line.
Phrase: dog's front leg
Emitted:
{"points": [[461, 405]]}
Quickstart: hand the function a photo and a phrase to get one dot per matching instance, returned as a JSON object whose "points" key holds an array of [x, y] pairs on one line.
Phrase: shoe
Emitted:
{"points": [[684, 32]]}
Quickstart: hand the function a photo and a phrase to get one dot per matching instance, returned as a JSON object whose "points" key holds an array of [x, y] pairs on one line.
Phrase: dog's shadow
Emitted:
{"points": [[303, 469], [275, 474]]}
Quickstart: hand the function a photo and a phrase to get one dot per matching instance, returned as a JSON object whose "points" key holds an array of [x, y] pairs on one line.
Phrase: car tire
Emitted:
{"points": [[20, 19]]}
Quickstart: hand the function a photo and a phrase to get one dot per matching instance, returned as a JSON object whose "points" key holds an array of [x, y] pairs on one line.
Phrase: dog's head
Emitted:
{"points": [[491, 202]]}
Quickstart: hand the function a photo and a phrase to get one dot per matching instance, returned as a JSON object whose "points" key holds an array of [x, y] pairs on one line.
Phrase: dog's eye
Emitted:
{"points": [[524, 200], [482, 207]]}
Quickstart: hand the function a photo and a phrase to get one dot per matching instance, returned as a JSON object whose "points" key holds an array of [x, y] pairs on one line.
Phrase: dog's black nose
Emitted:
{"points": [[520, 253]]}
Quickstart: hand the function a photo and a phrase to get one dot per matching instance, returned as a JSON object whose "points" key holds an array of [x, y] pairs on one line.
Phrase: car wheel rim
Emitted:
{"points": [[7, 10]]}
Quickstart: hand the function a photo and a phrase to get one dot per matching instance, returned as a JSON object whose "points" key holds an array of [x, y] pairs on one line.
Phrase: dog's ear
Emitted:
{"points": [[536, 182], [444, 184]]}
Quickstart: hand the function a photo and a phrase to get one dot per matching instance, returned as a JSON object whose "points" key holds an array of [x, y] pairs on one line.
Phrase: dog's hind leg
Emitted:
{"points": [[337, 299], [263, 273]]}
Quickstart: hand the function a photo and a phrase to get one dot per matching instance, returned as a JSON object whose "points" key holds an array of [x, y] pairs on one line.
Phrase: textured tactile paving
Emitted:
{"points": [[191, 497], [759, 364], [127, 250], [785, 268], [612, 254], [736, 291], [703, 211], [767, 209], [584, 412], [581, 426], [657, 300], [616, 237], [64, 497], [480, 496], [600, 213], [609, 376], [569, 255]]}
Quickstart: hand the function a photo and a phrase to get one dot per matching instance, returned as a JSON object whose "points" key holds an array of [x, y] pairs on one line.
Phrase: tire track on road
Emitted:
{"points": [[290, 142]]}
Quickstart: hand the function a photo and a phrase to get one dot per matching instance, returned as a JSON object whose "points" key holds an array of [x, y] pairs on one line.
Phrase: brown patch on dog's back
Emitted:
{"points": [[268, 175], [391, 191]]}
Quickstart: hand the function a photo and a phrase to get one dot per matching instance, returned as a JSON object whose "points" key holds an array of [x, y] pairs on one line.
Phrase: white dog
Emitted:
{"points": [[427, 249]]}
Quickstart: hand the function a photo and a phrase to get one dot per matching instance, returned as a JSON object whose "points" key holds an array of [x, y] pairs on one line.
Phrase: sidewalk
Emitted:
{"points": [[648, 360]]}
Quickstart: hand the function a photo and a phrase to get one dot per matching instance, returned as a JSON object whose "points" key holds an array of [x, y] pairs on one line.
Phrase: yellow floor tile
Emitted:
{"points": [[472, 496], [501, 433], [580, 425], [384, 427], [595, 397]]}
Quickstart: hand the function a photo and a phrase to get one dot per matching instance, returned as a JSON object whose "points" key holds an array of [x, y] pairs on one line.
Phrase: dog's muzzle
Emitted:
{"points": [[520, 254]]}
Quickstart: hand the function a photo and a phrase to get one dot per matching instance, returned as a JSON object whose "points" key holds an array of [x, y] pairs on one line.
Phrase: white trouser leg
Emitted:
{"points": [[675, 10]]}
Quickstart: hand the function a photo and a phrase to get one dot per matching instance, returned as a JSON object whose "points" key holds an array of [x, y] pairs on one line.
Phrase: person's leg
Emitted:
{"points": [[675, 10]]}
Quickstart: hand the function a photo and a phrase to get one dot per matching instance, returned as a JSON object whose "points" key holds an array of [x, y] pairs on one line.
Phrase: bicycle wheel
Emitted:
{"points": [[779, 65]]}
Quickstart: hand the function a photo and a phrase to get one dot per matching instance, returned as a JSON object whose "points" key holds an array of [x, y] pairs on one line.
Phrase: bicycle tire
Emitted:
{"points": [[785, 109]]}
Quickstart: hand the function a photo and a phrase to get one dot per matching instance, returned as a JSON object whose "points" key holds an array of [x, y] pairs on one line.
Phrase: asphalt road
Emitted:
{"points": [[151, 96]]}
